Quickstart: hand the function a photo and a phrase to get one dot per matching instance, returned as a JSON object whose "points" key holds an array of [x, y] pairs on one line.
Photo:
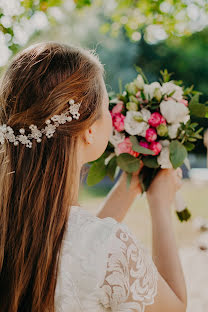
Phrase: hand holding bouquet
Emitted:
{"points": [[152, 124]]}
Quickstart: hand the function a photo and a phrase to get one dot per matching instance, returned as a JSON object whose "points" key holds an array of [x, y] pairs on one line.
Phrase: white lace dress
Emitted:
{"points": [[103, 267]]}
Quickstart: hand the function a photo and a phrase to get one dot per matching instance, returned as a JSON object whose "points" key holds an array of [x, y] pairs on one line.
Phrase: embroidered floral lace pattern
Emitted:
{"points": [[131, 276], [103, 268]]}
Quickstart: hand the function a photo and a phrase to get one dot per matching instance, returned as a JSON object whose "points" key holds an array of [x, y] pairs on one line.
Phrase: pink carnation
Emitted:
{"points": [[118, 107], [126, 147], [155, 147], [144, 144], [151, 135], [162, 120], [118, 121], [156, 119], [183, 101]]}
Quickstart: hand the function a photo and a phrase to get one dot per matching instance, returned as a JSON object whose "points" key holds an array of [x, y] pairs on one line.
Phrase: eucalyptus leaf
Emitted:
{"points": [[178, 153], [128, 162], [111, 168], [150, 162], [97, 172]]}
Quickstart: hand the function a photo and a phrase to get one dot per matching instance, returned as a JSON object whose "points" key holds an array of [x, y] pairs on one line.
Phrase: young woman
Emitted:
{"points": [[54, 255]]}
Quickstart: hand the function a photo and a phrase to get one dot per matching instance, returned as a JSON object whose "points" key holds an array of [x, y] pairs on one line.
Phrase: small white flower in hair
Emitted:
{"points": [[6, 132]]}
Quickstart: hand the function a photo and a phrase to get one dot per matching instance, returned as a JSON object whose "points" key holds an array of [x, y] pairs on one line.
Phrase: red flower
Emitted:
{"points": [[156, 119], [151, 135], [118, 121], [155, 147]]}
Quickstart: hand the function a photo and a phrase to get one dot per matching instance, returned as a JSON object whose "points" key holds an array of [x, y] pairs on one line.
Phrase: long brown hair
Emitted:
{"points": [[37, 185]]}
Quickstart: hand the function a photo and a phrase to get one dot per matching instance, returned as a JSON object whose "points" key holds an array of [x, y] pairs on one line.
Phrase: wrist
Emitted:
{"points": [[160, 209]]}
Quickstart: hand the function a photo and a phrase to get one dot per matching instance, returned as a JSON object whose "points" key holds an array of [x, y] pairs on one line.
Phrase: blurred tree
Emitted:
{"points": [[20, 19], [158, 18], [186, 57]]}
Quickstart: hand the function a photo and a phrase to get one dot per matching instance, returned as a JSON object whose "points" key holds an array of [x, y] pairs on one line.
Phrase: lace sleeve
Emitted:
{"points": [[131, 277]]}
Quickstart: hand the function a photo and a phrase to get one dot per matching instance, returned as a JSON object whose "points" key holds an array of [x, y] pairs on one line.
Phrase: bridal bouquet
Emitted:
{"points": [[152, 124]]}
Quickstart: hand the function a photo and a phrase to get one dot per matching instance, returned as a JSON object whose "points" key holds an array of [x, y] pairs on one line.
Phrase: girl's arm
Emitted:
{"points": [[120, 199], [164, 249]]}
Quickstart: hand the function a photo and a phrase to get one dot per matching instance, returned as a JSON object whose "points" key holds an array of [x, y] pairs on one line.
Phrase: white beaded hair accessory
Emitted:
{"points": [[6, 132]]}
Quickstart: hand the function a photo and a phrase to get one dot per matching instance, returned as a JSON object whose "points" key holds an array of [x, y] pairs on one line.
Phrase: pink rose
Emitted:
{"points": [[126, 147], [118, 107], [156, 119], [118, 121], [155, 147], [151, 135], [144, 144], [183, 101]]}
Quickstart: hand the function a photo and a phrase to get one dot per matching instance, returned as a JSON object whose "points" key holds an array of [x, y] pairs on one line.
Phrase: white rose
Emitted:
{"points": [[164, 158], [173, 130], [116, 137], [134, 127], [149, 89], [168, 87], [174, 112]]}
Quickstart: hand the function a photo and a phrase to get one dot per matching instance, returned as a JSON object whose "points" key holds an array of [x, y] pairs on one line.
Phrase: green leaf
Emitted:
{"points": [[111, 168], [189, 146], [194, 100], [97, 171], [192, 139], [188, 91], [81, 3], [178, 153], [198, 110], [166, 76], [150, 162], [128, 162], [138, 148], [193, 125]]}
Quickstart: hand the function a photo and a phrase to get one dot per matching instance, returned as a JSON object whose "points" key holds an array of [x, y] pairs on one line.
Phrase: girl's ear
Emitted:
{"points": [[89, 134]]}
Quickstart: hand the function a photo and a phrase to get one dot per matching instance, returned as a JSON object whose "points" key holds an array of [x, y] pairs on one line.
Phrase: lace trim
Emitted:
{"points": [[131, 276]]}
